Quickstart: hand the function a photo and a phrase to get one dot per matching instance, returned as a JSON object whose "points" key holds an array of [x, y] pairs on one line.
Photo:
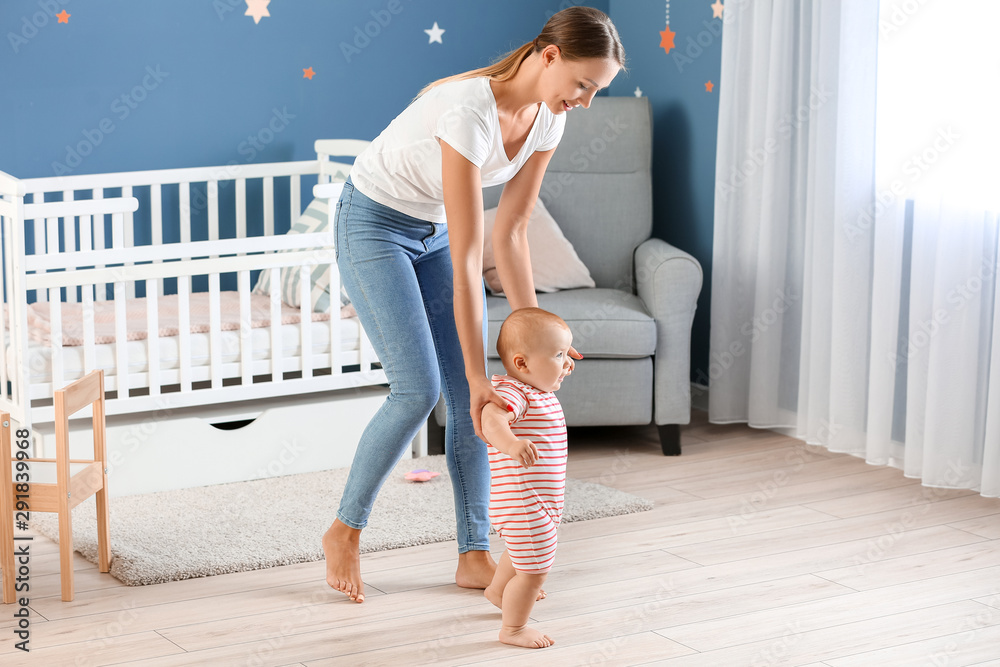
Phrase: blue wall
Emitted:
{"points": [[149, 85], [685, 122], [127, 85]]}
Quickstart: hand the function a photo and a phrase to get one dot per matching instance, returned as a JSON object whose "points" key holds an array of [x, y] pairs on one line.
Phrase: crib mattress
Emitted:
{"points": [[40, 362]]}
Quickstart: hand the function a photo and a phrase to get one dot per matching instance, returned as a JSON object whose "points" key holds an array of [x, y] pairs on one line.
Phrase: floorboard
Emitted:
{"points": [[760, 550]]}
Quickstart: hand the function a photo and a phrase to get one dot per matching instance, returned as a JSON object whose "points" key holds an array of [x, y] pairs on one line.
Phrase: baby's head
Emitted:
{"points": [[534, 348]]}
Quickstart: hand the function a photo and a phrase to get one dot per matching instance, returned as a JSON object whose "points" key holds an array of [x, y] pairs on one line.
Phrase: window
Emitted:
{"points": [[938, 124]]}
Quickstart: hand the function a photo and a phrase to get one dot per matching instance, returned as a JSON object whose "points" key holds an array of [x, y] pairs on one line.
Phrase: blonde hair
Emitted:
{"points": [[518, 327], [579, 32]]}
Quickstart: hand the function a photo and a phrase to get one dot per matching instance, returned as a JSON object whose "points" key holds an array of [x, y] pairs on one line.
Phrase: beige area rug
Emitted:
{"points": [[263, 523]]}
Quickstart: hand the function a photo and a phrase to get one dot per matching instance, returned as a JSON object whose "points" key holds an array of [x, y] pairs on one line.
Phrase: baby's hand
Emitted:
{"points": [[524, 452]]}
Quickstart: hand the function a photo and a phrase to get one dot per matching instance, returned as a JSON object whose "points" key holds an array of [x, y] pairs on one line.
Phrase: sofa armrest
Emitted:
{"points": [[669, 280]]}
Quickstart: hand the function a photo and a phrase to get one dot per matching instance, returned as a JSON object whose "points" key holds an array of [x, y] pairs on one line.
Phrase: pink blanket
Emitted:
{"points": [[40, 329]]}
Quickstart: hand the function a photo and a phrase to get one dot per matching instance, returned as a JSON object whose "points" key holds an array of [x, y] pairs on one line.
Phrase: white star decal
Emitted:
{"points": [[435, 34], [257, 9]]}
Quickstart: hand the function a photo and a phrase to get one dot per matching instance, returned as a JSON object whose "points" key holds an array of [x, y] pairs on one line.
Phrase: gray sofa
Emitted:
{"points": [[634, 327]]}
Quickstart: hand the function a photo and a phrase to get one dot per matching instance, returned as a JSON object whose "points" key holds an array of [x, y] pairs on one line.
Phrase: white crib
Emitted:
{"points": [[136, 248]]}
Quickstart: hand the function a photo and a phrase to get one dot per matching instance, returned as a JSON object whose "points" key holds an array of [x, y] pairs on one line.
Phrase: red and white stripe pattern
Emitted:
{"points": [[526, 505]]}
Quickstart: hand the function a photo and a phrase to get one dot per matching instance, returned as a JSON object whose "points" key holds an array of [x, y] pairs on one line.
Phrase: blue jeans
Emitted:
{"points": [[396, 270]]}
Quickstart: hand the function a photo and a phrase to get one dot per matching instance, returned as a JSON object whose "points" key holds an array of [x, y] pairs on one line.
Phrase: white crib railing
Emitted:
{"points": [[85, 250], [175, 188]]}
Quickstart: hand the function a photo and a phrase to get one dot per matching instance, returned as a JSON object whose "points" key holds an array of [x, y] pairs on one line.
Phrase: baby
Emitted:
{"points": [[527, 450]]}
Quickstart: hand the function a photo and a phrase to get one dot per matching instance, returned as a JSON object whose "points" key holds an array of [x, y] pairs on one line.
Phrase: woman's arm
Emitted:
{"points": [[463, 204], [510, 240]]}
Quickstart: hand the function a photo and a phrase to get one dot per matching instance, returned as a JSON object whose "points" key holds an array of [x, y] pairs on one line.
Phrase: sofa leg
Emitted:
{"points": [[670, 439]]}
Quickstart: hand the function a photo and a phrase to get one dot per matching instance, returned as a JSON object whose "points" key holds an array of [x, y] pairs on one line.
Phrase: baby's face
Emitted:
{"points": [[548, 358]]}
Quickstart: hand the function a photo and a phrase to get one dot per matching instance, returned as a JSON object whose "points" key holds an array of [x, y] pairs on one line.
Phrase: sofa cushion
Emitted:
{"points": [[606, 323], [554, 264]]}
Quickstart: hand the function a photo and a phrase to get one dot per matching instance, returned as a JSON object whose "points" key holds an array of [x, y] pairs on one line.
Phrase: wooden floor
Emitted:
{"points": [[760, 551]]}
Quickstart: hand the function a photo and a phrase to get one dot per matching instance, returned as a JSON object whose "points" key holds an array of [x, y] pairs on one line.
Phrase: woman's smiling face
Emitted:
{"points": [[571, 83]]}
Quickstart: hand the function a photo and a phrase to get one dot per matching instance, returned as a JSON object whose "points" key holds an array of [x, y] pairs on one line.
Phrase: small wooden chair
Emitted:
{"points": [[75, 481]]}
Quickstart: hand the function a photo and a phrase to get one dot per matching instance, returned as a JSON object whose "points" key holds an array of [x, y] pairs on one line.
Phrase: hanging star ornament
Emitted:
{"points": [[667, 39], [257, 9], [435, 34], [666, 36]]}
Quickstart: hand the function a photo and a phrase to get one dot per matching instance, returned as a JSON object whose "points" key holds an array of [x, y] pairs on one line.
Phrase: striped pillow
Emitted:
{"points": [[314, 219]]}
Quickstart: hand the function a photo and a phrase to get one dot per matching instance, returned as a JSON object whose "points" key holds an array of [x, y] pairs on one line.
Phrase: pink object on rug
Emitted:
{"points": [[421, 475]]}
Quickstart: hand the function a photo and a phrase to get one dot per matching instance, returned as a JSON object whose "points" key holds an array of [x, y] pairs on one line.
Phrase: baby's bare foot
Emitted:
{"points": [[343, 564], [526, 637]]}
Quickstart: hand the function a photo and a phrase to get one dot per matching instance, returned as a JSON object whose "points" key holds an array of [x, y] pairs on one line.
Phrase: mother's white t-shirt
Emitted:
{"points": [[402, 166]]}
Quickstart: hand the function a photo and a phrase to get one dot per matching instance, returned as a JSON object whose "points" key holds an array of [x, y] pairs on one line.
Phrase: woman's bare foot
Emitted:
{"points": [[526, 637], [475, 569], [343, 564]]}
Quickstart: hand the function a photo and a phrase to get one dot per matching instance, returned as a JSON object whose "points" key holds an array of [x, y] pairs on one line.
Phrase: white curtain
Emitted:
{"points": [[858, 318]]}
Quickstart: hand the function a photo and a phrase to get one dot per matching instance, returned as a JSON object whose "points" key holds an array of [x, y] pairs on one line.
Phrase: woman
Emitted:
{"points": [[416, 281]]}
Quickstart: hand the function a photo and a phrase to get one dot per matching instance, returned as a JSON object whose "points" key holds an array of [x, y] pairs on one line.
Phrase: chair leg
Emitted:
{"points": [[101, 454], [7, 556], [6, 511], [66, 550], [670, 439], [103, 531]]}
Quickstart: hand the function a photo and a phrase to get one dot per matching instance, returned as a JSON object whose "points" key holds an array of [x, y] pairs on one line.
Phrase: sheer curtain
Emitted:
{"points": [[844, 307]]}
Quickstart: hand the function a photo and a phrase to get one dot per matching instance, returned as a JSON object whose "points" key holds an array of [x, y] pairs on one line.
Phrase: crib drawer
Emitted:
{"points": [[230, 442]]}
